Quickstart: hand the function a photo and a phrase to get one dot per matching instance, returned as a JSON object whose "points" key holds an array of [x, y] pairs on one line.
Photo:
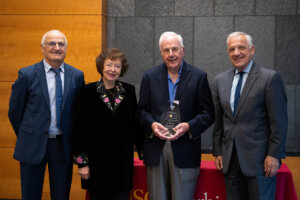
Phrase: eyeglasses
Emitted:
{"points": [[173, 50], [53, 44], [116, 67]]}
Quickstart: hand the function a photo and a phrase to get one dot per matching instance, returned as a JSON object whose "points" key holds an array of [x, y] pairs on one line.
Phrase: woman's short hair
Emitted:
{"points": [[112, 54]]}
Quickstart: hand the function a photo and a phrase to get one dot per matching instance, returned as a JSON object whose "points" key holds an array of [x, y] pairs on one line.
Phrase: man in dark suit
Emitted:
{"points": [[41, 112], [251, 123], [173, 161]]}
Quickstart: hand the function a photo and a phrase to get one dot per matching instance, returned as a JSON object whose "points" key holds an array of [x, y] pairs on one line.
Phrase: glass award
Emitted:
{"points": [[171, 116]]}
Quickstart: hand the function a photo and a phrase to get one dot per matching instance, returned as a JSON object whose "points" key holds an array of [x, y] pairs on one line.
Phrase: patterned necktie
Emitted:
{"points": [[58, 96], [238, 91]]}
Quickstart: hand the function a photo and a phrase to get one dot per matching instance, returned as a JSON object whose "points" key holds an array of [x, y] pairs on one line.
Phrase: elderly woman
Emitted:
{"points": [[106, 130]]}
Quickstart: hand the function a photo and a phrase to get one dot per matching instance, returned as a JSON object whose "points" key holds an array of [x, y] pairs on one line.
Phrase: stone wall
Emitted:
{"points": [[134, 26]]}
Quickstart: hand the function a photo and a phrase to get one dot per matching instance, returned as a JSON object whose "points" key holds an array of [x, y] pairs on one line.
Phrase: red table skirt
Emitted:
{"points": [[211, 183]]}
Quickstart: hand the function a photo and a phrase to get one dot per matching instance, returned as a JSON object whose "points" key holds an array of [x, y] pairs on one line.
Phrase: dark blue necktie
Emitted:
{"points": [[58, 96], [238, 91]]}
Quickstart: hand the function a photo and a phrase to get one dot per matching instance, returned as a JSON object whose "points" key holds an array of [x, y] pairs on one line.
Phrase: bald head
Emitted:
{"points": [[54, 47], [53, 32]]}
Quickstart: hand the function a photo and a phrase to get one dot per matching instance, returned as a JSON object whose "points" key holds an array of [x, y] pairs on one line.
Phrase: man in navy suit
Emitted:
{"points": [[173, 161], [41, 112]]}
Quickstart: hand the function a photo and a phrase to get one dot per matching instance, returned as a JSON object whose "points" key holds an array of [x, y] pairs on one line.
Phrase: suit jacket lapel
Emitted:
{"points": [[40, 73], [67, 83], [252, 76], [227, 91], [163, 82], [183, 80]]}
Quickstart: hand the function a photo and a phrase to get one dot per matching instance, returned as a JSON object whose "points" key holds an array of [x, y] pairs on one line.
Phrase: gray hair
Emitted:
{"points": [[44, 36], [234, 34], [170, 33]]}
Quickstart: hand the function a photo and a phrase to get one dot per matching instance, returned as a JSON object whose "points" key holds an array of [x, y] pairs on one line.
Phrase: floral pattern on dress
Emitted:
{"points": [[119, 96], [80, 159]]}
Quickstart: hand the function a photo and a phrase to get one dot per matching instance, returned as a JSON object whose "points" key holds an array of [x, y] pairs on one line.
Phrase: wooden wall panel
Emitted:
{"points": [[20, 38], [23, 24], [10, 185], [7, 136], [51, 7], [294, 165]]}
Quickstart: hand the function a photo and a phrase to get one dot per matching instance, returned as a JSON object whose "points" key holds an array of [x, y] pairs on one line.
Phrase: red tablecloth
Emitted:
{"points": [[211, 183]]}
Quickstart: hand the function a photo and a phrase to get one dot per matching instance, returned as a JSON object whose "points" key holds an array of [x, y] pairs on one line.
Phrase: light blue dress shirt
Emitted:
{"points": [[173, 86], [50, 76], [235, 82]]}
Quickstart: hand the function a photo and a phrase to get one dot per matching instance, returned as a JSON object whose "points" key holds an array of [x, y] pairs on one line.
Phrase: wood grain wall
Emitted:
{"points": [[22, 25]]}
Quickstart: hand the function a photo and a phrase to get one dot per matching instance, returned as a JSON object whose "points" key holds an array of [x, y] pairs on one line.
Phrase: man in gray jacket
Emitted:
{"points": [[251, 123]]}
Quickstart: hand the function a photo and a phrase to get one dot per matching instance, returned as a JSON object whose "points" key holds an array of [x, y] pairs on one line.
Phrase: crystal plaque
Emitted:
{"points": [[171, 116]]}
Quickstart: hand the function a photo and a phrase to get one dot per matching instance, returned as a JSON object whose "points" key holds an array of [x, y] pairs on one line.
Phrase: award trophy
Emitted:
{"points": [[171, 117]]}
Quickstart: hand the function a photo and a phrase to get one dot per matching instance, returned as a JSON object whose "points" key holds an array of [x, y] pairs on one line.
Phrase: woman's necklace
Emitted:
{"points": [[113, 94]]}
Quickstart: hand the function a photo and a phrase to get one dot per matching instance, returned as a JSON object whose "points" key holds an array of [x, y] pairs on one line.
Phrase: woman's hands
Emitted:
{"points": [[84, 172]]}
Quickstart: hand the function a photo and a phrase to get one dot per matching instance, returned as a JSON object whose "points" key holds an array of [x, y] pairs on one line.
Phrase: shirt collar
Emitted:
{"points": [[179, 73], [48, 67], [246, 70]]}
